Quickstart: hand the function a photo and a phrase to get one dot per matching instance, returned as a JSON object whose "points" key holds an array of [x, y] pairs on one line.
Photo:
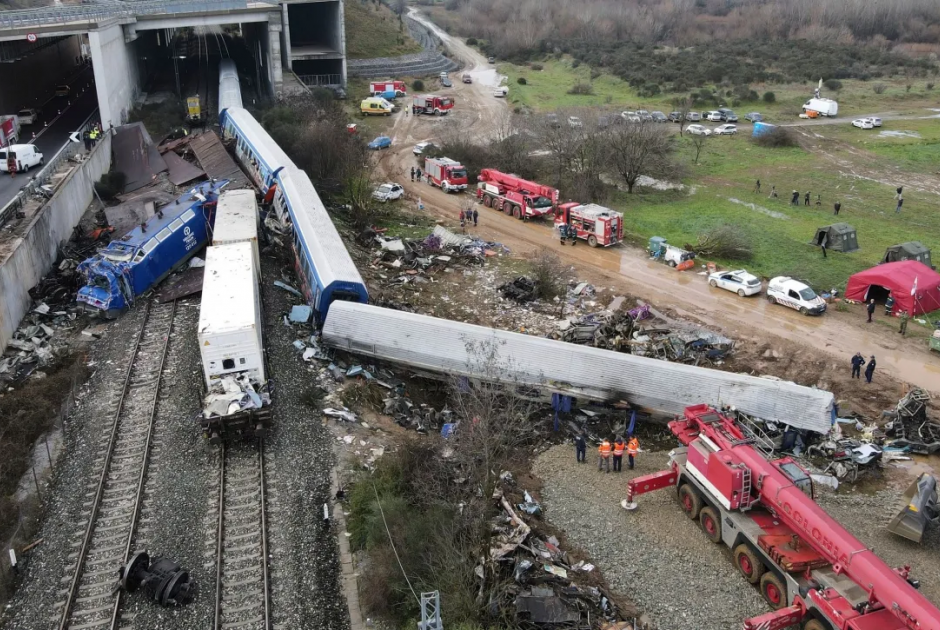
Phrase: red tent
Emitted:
{"points": [[900, 279]]}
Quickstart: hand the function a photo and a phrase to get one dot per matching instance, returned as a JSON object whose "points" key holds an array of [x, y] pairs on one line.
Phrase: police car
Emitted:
{"points": [[793, 293]]}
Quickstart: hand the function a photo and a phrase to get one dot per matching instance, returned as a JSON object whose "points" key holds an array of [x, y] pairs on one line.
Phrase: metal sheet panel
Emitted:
{"points": [[216, 161], [590, 373]]}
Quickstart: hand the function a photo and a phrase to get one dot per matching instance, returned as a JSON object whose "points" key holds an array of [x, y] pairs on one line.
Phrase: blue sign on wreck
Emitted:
{"points": [[140, 259]]}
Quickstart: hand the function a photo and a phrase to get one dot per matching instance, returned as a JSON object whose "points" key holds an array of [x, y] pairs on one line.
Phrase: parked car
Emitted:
{"points": [[28, 116], [443, 75], [693, 117], [630, 117], [26, 155], [658, 117], [728, 115], [644, 116], [382, 142], [726, 130], [862, 123], [753, 117], [673, 255], [421, 147], [740, 282], [794, 294], [875, 121], [552, 120], [62, 90], [714, 116], [675, 117], [574, 121], [698, 130], [445, 82], [466, 78], [491, 59], [388, 192]]}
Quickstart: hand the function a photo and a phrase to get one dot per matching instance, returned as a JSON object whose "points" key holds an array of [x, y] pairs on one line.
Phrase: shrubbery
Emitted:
{"points": [[582, 89], [521, 81], [110, 185], [417, 85], [778, 137], [770, 97]]}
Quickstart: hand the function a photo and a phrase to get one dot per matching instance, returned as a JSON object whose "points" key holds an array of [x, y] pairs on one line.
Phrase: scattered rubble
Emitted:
{"points": [[910, 427], [232, 394]]}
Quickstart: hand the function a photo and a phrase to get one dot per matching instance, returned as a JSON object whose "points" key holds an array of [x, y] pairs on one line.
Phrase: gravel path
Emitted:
{"points": [[655, 556], [305, 574]]}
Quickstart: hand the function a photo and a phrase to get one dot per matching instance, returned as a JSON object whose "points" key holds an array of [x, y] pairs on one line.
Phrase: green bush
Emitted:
{"points": [[417, 85], [111, 185], [779, 137], [770, 97], [833, 84], [581, 89], [538, 67], [471, 41], [879, 88], [521, 81], [929, 86]]}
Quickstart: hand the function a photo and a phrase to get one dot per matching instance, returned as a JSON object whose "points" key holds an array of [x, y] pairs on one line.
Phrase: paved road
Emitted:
{"points": [[52, 138]]}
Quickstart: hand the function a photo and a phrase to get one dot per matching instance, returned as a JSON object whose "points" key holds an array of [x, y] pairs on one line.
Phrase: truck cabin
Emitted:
{"points": [[798, 475], [537, 202]]}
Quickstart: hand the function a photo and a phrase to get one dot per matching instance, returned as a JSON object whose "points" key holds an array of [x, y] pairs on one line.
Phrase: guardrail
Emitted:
{"points": [[99, 12], [32, 186], [315, 80]]}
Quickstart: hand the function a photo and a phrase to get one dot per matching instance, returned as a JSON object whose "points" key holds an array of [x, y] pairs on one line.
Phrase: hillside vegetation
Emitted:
{"points": [[373, 30]]}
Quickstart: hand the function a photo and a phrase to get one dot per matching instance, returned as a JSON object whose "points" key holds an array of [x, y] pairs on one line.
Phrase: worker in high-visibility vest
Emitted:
{"points": [[603, 452], [619, 447], [633, 447]]}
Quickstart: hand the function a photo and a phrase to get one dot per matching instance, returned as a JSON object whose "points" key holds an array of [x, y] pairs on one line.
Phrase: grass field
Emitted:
{"points": [[547, 90], [912, 145], [724, 181], [372, 30]]}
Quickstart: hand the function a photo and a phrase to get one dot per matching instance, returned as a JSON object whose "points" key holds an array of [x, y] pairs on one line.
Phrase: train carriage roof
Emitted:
{"points": [[253, 133], [311, 220]]}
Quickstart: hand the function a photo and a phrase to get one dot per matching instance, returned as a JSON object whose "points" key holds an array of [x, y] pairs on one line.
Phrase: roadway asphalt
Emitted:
{"points": [[52, 138]]}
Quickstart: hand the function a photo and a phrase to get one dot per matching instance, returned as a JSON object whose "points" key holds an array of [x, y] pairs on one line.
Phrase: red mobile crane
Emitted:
{"points": [[515, 196], [808, 567]]}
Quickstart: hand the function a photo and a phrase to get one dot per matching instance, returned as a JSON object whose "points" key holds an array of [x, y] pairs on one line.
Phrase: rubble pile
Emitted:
{"points": [[548, 588], [910, 427], [417, 260], [422, 418], [235, 393], [521, 290]]}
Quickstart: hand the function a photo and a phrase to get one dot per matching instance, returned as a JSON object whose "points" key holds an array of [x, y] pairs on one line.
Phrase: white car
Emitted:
{"points": [[726, 130], [27, 116], [388, 192], [740, 282], [698, 130], [862, 123], [631, 117], [714, 117], [574, 121], [875, 121], [421, 147], [793, 293]]}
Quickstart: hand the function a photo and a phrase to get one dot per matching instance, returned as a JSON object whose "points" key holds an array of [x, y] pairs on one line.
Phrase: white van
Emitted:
{"points": [[26, 155], [796, 295]]}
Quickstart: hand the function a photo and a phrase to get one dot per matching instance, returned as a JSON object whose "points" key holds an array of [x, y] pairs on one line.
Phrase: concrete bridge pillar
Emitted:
{"points": [[116, 73], [275, 67]]}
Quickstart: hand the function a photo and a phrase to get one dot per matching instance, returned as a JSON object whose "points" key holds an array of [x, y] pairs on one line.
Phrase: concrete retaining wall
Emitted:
{"points": [[430, 62], [116, 74], [35, 252]]}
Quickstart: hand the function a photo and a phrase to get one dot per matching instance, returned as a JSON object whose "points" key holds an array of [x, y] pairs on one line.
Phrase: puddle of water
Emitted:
{"points": [[657, 184], [898, 134], [761, 209]]}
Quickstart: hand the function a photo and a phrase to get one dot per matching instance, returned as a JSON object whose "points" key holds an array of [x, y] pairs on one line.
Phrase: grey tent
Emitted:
{"points": [[838, 237], [912, 250]]}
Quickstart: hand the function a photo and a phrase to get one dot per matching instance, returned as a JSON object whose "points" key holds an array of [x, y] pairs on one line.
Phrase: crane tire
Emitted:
{"points": [[748, 563], [689, 499], [517, 212], [773, 591], [711, 523], [487, 201], [815, 624]]}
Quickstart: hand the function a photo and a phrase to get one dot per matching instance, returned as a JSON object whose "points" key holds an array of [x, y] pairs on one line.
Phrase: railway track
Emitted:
{"points": [[242, 585], [113, 509]]}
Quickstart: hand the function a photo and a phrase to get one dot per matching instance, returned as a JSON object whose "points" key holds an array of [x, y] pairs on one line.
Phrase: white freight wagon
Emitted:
{"points": [[236, 220], [230, 315]]}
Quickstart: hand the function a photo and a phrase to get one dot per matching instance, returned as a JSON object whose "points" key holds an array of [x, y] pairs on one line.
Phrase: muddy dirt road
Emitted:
{"points": [[626, 269]]}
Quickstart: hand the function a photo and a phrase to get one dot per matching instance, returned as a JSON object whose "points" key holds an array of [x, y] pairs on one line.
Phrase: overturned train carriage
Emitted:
{"points": [[458, 349]]}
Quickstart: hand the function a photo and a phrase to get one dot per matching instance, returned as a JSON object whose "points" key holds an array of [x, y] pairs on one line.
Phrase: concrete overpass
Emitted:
{"points": [[113, 32]]}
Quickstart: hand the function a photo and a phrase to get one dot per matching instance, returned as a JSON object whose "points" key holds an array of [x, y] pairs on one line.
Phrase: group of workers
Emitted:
{"points": [[91, 136], [609, 449]]}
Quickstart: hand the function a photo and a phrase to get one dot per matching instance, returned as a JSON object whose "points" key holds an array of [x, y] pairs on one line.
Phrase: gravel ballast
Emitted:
{"points": [[655, 555]]}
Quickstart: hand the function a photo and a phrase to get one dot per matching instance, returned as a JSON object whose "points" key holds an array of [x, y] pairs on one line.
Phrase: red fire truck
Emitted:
{"points": [[515, 196], [432, 104], [378, 88], [446, 174], [809, 569], [595, 224]]}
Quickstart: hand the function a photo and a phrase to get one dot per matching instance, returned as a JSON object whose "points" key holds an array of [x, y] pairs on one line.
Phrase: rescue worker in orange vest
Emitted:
{"points": [[603, 458], [633, 447], [619, 447]]}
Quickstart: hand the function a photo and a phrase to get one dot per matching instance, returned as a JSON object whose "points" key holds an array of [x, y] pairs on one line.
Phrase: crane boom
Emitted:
{"points": [[517, 184], [779, 493]]}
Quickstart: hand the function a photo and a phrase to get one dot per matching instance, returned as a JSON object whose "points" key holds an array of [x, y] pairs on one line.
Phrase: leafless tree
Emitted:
{"points": [[590, 159], [554, 135], [698, 143], [683, 106], [641, 149]]}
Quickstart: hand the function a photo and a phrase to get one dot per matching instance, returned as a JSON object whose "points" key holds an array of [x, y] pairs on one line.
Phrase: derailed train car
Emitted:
{"points": [[132, 264]]}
